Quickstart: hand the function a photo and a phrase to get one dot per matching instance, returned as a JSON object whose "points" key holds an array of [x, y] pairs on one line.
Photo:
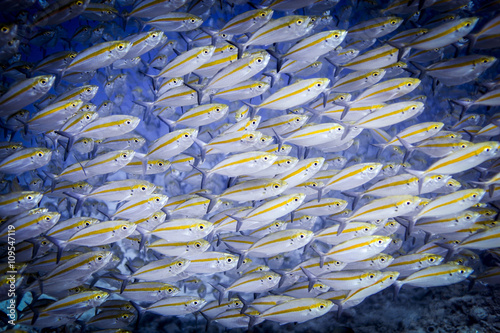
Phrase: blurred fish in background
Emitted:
{"points": [[256, 162]]}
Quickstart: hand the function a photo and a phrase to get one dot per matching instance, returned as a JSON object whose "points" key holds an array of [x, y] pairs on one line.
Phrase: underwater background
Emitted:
{"points": [[452, 82]]}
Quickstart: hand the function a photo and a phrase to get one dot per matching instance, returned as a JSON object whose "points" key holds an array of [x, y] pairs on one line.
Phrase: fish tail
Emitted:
{"points": [[61, 244], [397, 288], [140, 312], [207, 318], [242, 254], [311, 277], [204, 175], [355, 195], [145, 236], [147, 105], [213, 200], [80, 199], [169, 122], [221, 290], [320, 254], [420, 175], [203, 149], [71, 140]]}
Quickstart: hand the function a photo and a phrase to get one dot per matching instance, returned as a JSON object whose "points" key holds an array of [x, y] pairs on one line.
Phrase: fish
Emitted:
{"points": [[259, 163]]}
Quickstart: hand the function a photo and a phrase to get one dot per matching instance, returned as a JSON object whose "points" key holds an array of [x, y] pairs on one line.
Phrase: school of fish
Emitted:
{"points": [[249, 161]]}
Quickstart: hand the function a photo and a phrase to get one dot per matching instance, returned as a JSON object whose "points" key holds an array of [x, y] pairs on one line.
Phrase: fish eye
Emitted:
{"points": [[295, 199], [5, 29], [393, 22], [464, 146], [186, 135], [179, 264], [128, 122], [144, 188], [262, 14], [380, 241], [409, 84], [160, 164], [408, 203], [270, 278], [318, 84], [468, 217], [79, 3], [382, 259], [259, 59], [462, 271], [431, 259], [474, 195], [276, 186], [299, 22], [487, 149], [87, 223], [467, 24], [370, 168], [157, 199], [371, 276], [321, 306], [201, 227], [229, 259], [439, 177], [40, 154], [47, 218], [170, 290], [205, 51], [193, 20], [366, 229], [302, 236], [120, 46], [198, 245], [195, 302], [99, 258], [124, 227], [288, 162], [87, 117]]}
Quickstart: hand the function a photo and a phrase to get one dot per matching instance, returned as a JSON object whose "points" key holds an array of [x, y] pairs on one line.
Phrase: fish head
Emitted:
{"points": [[154, 37], [125, 229], [30, 199], [380, 241], [433, 259], [321, 307], [99, 259], [198, 246], [381, 260], [195, 304], [168, 290], [44, 83], [408, 204], [50, 218], [227, 261], [158, 165], [331, 265], [202, 229], [99, 298], [370, 276], [370, 170]]}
